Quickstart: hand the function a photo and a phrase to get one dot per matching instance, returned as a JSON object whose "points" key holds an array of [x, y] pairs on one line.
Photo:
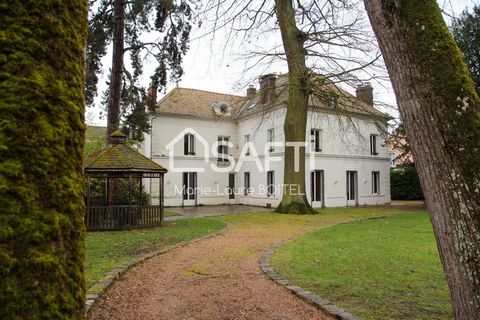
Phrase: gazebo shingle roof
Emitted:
{"points": [[120, 158]]}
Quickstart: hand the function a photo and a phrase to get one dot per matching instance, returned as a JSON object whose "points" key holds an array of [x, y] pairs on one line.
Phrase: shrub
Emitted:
{"points": [[404, 184]]}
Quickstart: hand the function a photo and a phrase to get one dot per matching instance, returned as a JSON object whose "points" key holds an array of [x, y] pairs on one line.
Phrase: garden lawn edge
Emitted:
{"points": [[98, 289], [323, 304]]}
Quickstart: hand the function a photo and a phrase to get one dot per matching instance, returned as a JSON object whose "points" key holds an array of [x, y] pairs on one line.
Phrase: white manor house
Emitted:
{"points": [[226, 149]]}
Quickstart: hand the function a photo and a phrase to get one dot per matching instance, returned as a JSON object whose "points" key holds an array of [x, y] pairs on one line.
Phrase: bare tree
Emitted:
{"points": [[323, 43], [440, 109]]}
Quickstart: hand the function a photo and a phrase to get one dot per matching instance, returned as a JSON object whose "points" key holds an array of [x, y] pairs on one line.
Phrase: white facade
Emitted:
{"points": [[344, 142]]}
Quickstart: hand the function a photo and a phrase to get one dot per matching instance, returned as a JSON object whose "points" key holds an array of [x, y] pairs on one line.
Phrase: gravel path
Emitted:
{"points": [[216, 278]]}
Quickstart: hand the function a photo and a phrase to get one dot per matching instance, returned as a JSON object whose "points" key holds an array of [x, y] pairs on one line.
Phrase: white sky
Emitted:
{"points": [[213, 67]]}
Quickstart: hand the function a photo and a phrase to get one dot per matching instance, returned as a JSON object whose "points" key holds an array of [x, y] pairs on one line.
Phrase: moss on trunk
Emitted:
{"points": [[441, 112], [41, 147]]}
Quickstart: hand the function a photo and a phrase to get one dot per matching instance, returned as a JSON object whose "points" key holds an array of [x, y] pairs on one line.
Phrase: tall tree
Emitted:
{"points": [[295, 125], [129, 23], [440, 109], [466, 31], [41, 146]]}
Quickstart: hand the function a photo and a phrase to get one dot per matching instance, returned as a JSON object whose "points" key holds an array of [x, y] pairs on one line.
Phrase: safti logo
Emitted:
{"points": [[218, 154]]}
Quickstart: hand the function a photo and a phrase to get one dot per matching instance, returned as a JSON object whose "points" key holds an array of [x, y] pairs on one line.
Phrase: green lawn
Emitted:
{"points": [[377, 269], [170, 213], [107, 250]]}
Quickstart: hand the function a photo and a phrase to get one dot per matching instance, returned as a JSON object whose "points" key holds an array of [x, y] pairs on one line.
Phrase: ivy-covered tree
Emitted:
{"points": [[125, 25], [466, 31], [440, 109], [41, 148]]}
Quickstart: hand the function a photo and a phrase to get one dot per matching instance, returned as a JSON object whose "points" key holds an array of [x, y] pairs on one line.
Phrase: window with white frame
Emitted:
{"points": [[270, 183], [374, 144], [315, 140], [222, 148], [189, 144], [271, 138], [247, 140], [375, 182]]}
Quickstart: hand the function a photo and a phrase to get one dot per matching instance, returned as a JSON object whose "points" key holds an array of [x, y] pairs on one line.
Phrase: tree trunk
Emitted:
{"points": [[441, 113], [41, 148], [116, 75], [294, 199]]}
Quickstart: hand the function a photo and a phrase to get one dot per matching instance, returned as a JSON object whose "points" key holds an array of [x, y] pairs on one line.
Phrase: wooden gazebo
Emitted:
{"points": [[115, 179]]}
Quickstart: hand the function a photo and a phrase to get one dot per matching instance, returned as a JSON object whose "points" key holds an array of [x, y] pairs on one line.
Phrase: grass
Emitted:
{"points": [[377, 269], [287, 223], [170, 213], [107, 250]]}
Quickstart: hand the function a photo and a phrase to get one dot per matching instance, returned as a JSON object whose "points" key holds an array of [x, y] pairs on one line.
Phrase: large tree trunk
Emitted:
{"points": [[294, 199], [116, 76], [41, 148], [441, 113]]}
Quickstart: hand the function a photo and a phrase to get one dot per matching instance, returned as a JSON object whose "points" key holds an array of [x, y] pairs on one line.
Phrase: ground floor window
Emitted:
{"points": [[246, 183], [316, 185], [189, 185], [375, 182], [270, 183], [351, 185]]}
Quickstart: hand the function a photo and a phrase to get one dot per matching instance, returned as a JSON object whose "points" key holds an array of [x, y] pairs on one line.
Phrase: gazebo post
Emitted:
{"points": [[130, 215], [140, 203], [87, 207], [160, 198]]}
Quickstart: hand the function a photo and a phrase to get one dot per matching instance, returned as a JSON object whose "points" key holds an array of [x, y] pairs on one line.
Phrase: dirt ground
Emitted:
{"points": [[217, 278]]}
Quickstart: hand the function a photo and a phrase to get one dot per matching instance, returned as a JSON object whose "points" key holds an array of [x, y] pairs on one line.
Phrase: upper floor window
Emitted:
{"points": [[393, 160], [316, 140], [247, 140], [374, 144], [375, 182], [189, 144], [222, 148], [271, 138]]}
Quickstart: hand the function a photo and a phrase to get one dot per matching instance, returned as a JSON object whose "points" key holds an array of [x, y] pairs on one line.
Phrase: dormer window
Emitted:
{"points": [[189, 144], [222, 108]]}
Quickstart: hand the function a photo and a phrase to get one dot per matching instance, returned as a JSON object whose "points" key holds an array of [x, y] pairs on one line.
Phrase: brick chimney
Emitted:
{"points": [[365, 93], [251, 92], [152, 96], [267, 88]]}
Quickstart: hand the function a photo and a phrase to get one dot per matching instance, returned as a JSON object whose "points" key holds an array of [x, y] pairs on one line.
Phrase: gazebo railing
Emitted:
{"points": [[123, 217]]}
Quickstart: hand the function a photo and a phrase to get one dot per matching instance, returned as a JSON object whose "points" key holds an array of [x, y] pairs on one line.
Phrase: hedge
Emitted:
{"points": [[404, 184]]}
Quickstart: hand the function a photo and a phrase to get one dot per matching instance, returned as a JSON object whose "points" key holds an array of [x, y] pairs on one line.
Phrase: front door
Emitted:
{"points": [[317, 194], [352, 188], [189, 189], [231, 186]]}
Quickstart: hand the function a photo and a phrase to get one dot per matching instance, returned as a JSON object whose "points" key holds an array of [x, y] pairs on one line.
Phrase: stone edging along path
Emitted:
{"points": [[326, 306], [95, 292]]}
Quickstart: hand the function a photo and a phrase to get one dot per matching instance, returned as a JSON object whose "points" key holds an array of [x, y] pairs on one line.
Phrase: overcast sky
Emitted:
{"points": [[214, 67]]}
